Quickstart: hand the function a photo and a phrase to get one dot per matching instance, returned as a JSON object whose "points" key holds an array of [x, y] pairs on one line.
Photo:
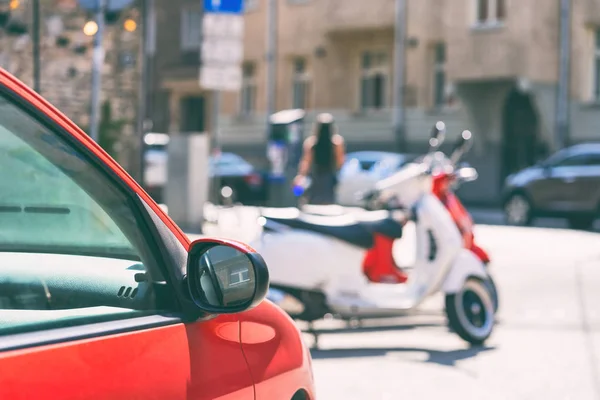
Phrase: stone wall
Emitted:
{"points": [[66, 60]]}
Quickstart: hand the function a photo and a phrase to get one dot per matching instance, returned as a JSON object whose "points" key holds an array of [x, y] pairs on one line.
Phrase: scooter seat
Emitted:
{"points": [[343, 227]]}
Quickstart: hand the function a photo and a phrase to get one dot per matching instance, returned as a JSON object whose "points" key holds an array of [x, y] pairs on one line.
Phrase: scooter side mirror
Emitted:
{"points": [[462, 145], [437, 136], [466, 174]]}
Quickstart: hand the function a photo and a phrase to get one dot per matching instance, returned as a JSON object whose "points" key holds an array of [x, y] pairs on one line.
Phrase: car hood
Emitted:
{"points": [[522, 177]]}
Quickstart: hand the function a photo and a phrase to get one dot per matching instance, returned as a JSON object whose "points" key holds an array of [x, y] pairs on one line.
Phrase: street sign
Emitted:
{"points": [[222, 45], [224, 6], [221, 77], [222, 51], [111, 5], [223, 25]]}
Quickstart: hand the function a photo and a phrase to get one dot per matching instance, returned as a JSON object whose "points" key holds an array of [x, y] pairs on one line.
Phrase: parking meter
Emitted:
{"points": [[284, 150]]}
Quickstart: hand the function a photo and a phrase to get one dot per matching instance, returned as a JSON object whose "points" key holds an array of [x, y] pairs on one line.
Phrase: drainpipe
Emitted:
{"points": [[398, 117], [562, 94]]}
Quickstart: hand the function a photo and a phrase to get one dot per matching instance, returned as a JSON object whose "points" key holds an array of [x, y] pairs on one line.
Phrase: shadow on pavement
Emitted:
{"points": [[373, 328], [447, 358]]}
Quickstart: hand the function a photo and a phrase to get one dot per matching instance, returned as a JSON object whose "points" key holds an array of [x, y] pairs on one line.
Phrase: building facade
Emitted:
{"points": [[66, 59], [490, 66]]}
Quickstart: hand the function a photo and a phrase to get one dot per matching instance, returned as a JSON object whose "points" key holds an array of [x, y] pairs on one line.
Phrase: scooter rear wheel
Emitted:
{"points": [[471, 312]]}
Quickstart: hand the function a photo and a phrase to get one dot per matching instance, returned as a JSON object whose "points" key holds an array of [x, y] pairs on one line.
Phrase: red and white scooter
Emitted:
{"points": [[344, 265], [446, 179]]}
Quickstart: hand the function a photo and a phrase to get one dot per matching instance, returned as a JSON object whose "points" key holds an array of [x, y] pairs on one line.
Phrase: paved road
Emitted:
{"points": [[546, 345]]}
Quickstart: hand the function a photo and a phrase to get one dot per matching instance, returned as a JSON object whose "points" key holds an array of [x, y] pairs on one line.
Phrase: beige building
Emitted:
{"points": [[66, 54], [490, 66]]}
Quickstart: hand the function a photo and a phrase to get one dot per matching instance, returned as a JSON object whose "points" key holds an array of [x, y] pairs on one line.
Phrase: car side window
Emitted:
{"points": [[594, 160], [72, 250], [574, 161]]}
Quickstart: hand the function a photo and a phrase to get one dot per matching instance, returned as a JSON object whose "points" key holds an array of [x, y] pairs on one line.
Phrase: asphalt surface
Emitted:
{"points": [[546, 344]]}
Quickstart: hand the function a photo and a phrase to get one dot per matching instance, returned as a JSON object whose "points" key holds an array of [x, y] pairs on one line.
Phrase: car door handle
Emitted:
{"points": [[568, 179]]}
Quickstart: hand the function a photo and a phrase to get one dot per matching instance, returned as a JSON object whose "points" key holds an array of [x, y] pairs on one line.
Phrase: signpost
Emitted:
{"points": [[222, 45], [222, 54], [99, 7]]}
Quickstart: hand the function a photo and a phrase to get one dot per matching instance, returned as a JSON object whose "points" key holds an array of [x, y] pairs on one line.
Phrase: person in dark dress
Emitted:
{"points": [[322, 157]]}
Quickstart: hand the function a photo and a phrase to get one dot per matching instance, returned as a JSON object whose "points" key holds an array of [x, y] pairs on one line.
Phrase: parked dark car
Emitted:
{"points": [[247, 183], [225, 170], [567, 184]]}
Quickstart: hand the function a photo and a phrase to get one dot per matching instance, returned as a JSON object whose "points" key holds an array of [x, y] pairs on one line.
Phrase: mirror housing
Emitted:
{"points": [[225, 276], [462, 145], [438, 134]]}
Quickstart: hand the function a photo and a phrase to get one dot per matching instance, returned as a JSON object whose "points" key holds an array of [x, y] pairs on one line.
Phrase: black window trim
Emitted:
{"points": [[148, 229], [85, 331]]}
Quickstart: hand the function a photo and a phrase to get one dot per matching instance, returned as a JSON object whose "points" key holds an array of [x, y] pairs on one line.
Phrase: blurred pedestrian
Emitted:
{"points": [[322, 157]]}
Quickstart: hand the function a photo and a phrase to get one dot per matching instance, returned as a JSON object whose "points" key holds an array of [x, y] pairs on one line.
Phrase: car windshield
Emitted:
{"points": [[42, 208]]}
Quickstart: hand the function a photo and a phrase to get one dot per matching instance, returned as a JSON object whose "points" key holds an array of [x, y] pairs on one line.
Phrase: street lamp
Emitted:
{"points": [[130, 25], [90, 28]]}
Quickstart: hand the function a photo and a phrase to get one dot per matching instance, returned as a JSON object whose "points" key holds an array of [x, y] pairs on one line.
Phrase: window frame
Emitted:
{"points": [[250, 5], [369, 73], [248, 83], [439, 68], [185, 43], [163, 254], [300, 78], [491, 18]]}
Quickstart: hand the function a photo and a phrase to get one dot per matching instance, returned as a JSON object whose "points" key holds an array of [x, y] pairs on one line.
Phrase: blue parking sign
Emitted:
{"points": [[224, 6]]}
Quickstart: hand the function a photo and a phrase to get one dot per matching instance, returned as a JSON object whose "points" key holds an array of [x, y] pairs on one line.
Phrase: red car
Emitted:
{"points": [[102, 296]]}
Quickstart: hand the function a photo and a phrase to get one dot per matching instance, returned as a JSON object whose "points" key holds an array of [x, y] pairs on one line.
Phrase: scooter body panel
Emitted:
{"points": [[465, 266]]}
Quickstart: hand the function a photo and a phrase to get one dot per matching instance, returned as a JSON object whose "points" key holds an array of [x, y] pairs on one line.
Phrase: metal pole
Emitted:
{"points": [[36, 46], [143, 124], [271, 62], [399, 71], [216, 109], [562, 95], [97, 61]]}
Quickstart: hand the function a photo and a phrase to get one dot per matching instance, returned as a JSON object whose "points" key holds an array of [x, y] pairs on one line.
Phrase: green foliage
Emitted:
{"points": [[109, 130]]}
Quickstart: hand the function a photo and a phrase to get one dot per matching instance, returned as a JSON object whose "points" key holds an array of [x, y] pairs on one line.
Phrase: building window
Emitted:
{"points": [[374, 78], [439, 75], [490, 11], [300, 84], [250, 5], [248, 90], [596, 92], [190, 29]]}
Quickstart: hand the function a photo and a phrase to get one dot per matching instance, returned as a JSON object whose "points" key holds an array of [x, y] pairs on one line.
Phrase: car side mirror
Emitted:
{"points": [[225, 276]]}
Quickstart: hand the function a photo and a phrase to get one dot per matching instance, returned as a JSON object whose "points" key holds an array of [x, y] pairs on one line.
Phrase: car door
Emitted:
{"points": [[587, 184], [564, 179], [91, 305]]}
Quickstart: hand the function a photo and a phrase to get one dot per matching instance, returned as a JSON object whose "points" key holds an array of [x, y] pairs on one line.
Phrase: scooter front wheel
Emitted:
{"points": [[493, 292], [471, 311]]}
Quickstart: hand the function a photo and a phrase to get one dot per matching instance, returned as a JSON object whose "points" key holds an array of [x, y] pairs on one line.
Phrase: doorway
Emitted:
{"points": [[521, 144]]}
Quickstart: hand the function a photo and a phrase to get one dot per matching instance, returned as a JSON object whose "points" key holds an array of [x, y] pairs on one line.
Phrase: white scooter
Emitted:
{"points": [[320, 264]]}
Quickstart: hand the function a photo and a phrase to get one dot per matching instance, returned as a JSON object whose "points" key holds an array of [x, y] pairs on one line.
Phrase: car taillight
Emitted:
{"points": [[253, 179]]}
